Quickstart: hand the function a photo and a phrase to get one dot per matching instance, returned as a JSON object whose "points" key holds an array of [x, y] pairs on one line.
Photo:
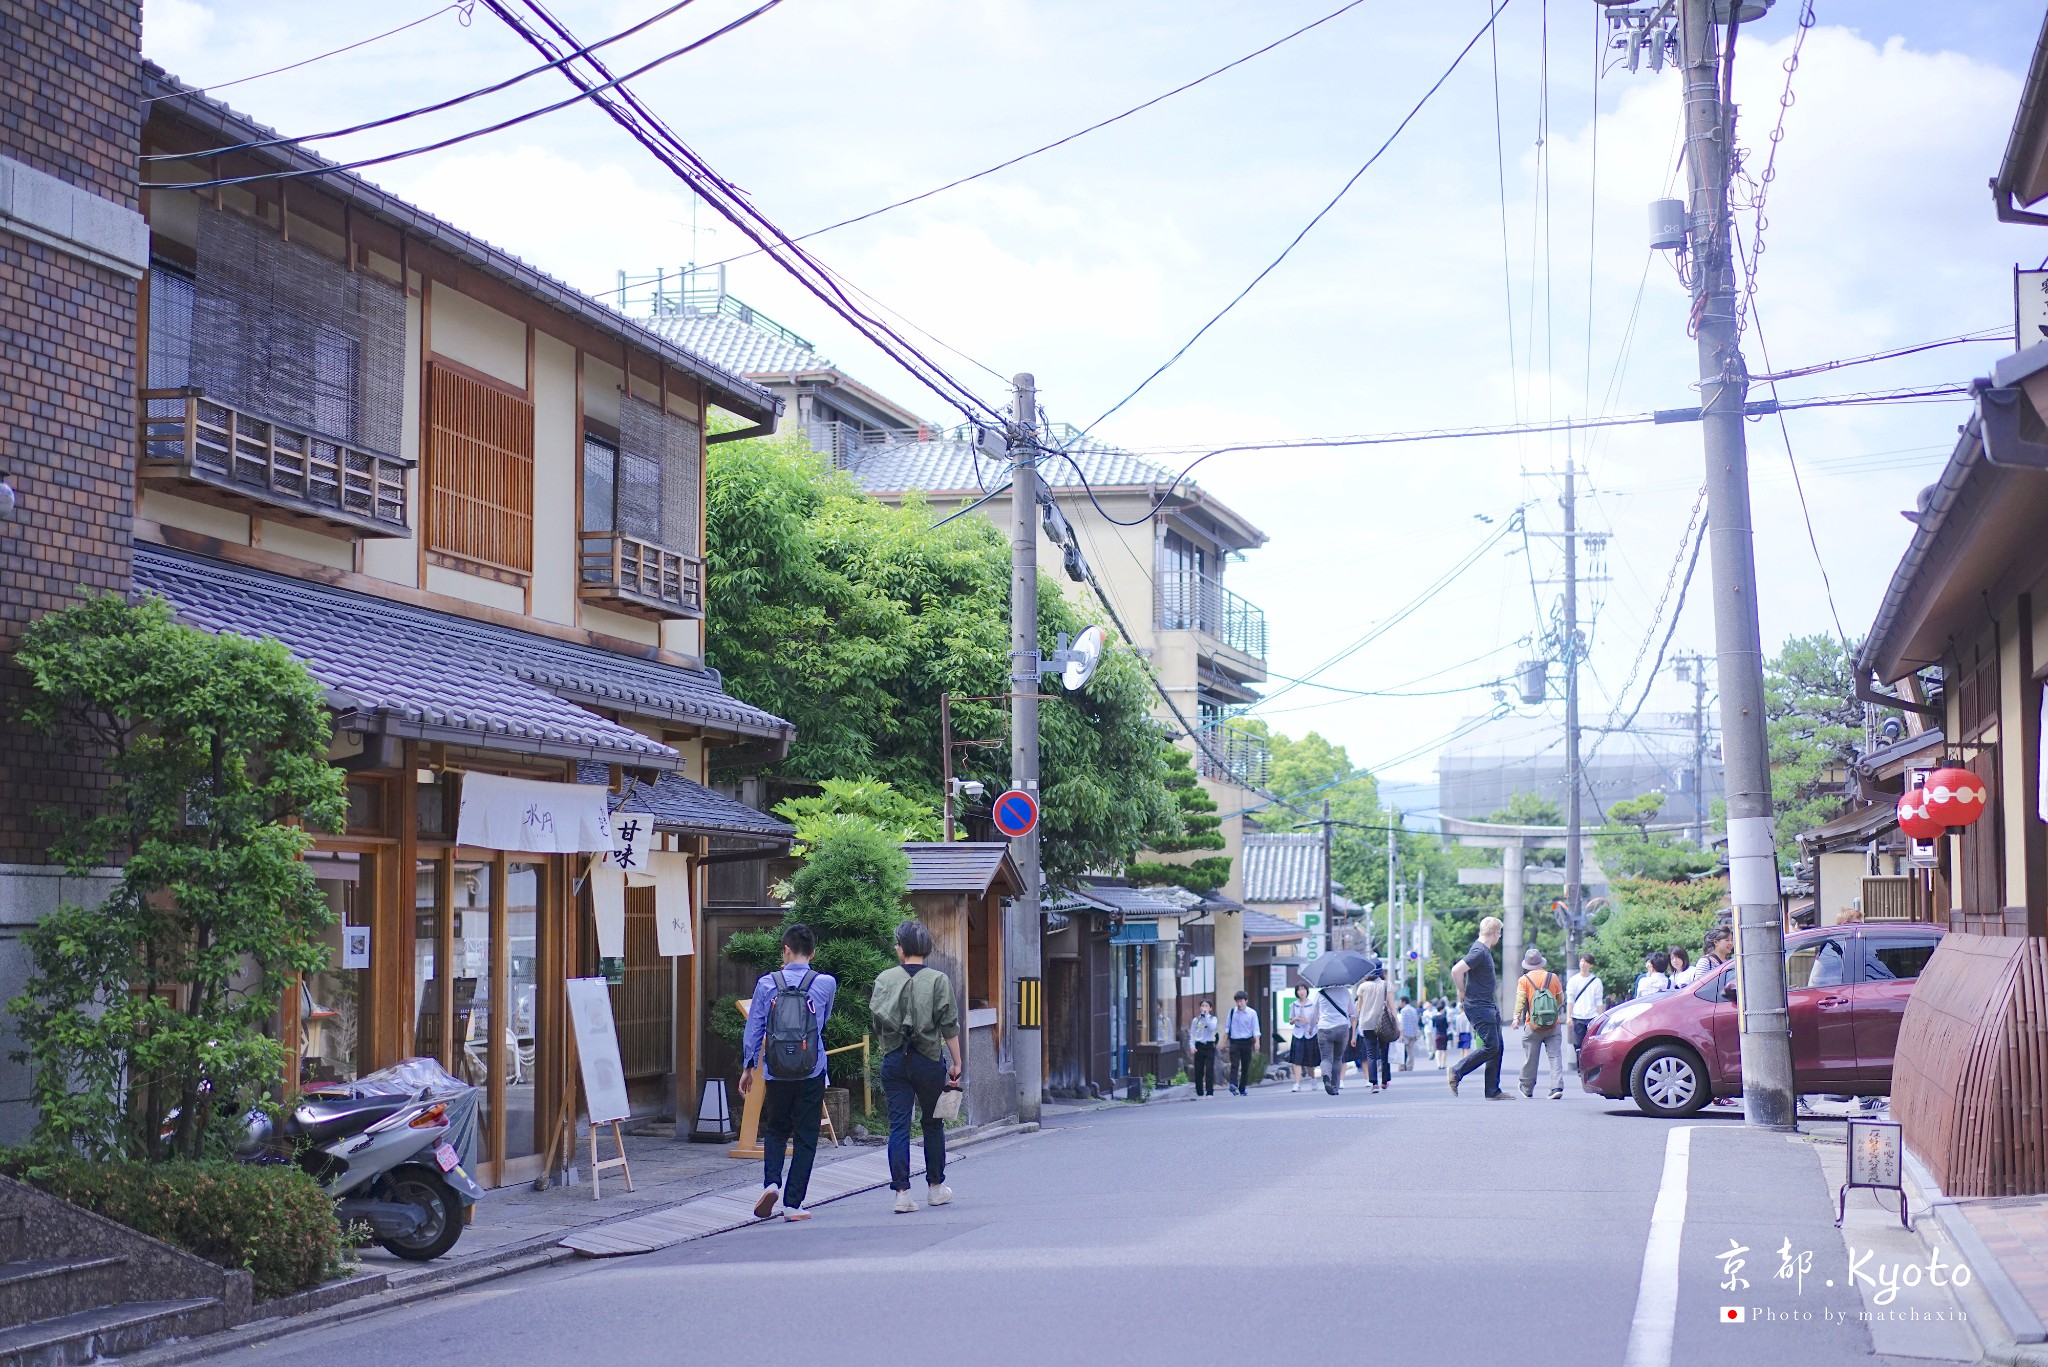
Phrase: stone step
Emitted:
{"points": [[43, 1288], [109, 1331]]}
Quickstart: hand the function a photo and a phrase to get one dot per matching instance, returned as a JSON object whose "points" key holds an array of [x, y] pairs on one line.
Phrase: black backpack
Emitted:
{"points": [[791, 1052]]}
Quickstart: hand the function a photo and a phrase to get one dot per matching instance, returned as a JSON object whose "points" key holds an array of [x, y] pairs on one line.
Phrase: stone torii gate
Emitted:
{"points": [[1514, 876]]}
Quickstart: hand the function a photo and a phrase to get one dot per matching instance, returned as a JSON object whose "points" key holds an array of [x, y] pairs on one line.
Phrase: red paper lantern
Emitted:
{"points": [[1914, 821], [1956, 797]]}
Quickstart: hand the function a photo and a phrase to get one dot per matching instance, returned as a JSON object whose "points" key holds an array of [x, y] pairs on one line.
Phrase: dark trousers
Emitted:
{"points": [[1486, 1035], [789, 1114], [1241, 1063], [1377, 1068], [1205, 1069], [908, 1076]]}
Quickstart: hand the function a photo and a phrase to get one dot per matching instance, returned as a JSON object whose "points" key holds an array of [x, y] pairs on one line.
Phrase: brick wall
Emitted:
{"points": [[70, 97], [70, 107]]}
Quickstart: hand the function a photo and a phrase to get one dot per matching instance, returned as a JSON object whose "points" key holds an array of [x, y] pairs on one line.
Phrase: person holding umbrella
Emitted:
{"points": [[1337, 1021]]}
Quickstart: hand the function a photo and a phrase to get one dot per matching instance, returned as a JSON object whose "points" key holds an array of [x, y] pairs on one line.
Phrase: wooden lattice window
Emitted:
{"points": [[1982, 844], [479, 472]]}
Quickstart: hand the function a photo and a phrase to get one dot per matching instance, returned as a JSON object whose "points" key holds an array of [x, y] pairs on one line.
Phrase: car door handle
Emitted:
{"points": [[1833, 1001]]}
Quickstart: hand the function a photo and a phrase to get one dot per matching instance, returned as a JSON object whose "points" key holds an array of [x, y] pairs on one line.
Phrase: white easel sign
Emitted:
{"points": [[597, 1049]]}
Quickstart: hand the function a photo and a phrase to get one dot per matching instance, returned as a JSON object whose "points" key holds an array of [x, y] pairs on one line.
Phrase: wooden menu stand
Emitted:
{"points": [[599, 1165]]}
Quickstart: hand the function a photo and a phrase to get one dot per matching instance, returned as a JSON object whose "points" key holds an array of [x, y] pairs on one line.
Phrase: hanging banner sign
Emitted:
{"points": [[530, 817], [608, 904], [673, 910]]}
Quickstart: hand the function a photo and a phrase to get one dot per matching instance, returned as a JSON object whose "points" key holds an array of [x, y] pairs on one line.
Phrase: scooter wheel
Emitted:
{"points": [[443, 1210]]}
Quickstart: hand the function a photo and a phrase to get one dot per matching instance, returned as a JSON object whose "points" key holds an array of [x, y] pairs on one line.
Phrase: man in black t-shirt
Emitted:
{"points": [[1477, 986]]}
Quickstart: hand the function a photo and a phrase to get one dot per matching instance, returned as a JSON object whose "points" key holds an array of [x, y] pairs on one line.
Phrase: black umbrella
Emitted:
{"points": [[1339, 968]]}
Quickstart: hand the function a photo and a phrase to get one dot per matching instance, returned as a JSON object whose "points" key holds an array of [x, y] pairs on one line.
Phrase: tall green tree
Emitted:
{"points": [[1628, 849], [1203, 831], [1814, 722], [148, 1019], [850, 618]]}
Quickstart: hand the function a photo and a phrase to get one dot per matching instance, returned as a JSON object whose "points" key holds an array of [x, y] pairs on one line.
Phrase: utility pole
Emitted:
{"points": [[1693, 668], [1769, 1098], [1393, 874], [1329, 889], [1575, 780], [1025, 948], [1414, 938]]}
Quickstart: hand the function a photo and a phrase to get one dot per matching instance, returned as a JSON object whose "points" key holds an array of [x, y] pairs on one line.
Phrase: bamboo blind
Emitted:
{"points": [[479, 472]]}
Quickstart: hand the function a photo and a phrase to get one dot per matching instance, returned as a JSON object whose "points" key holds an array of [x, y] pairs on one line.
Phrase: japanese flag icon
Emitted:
{"points": [[1734, 1314]]}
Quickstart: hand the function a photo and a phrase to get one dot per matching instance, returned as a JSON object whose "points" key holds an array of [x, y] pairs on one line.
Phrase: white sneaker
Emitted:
{"points": [[1296, 1087], [765, 1206], [938, 1194], [904, 1204]]}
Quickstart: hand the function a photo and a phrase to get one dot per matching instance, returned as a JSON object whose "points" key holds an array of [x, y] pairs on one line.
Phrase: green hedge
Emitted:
{"points": [[273, 1220]]}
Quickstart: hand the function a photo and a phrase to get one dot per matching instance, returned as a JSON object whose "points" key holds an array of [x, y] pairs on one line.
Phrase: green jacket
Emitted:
{"points": [[919, 1005]]}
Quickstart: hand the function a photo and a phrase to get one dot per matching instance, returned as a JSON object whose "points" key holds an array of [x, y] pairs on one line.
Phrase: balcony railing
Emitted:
{"points": [[1194, 602], [1234, 755], [633, 576], [840, 440], [201, 449]]}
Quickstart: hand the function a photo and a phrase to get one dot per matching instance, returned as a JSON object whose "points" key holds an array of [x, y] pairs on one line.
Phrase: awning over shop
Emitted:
{"points": [[967, 866], [409, 671], [1264, 928]]}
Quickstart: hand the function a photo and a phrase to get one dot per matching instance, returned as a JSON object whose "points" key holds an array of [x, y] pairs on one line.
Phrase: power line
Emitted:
{"points": [[421, 111], [464, 6], [1320, 215], [1798, 486], [1407, 610], [588, 92], [1507, 274], [1061, 142], [647, 128], [1998, 332]]}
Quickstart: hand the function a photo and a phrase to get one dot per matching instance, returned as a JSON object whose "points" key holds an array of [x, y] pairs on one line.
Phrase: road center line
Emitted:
{"points": [[1656, 1317]]}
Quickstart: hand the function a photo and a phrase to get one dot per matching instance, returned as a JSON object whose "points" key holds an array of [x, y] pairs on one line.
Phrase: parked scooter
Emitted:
{"points": [[385, 1160]]}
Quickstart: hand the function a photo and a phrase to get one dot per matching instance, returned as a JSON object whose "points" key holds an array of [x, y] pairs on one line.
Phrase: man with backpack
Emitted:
{"points": [[919, 1025], [786, 1041], [1539, 1004]]}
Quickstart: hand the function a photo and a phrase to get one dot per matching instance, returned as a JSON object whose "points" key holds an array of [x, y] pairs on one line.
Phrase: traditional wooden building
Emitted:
{"points": [[470, 499], [1963, 634]]}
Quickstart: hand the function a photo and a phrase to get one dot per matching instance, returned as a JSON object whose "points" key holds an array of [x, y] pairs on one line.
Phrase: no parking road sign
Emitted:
{"points": [[1016, 813]]}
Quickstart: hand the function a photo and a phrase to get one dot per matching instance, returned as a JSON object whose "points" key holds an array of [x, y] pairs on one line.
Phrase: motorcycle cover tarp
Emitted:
{"points": [[425, 1076]]}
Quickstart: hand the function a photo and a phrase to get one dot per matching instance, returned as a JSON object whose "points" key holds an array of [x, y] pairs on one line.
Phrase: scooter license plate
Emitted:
{"points": [[445, 1155]]}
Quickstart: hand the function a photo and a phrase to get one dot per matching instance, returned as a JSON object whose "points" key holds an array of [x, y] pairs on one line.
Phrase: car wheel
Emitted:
{"points": [[1669, 1081]]}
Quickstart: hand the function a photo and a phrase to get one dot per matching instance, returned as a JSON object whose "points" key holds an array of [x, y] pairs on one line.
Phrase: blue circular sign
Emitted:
{"points": [[1016, 813]]}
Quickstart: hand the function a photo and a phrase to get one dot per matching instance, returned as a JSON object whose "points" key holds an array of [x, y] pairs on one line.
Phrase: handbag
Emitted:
{"points": [[949, 1104], [1388, 1026]]}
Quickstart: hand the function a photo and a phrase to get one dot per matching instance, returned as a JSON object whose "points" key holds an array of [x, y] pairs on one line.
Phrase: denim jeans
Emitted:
{"points": [[789, 1120], [1376, 1069], [1485, 1035], [908, 1076]]}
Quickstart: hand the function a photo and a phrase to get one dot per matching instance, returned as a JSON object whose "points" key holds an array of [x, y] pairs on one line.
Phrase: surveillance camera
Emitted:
{"points": [[969, 787]]}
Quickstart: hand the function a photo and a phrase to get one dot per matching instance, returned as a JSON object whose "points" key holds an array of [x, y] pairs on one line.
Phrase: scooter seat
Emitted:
{"points": [[323, 1118]]}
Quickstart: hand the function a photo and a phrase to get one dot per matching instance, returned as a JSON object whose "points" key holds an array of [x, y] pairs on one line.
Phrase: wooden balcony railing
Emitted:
{"points": [[198, 448], [629, 575]]}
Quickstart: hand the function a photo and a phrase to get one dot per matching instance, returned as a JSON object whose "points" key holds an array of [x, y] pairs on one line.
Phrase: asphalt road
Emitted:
{"points": [[1402, 1227]]}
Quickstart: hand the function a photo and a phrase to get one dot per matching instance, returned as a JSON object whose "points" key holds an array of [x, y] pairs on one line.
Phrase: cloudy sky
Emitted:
{"points": [[1403, 310]]}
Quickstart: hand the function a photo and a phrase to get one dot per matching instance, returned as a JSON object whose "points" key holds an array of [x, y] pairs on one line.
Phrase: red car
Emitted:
{"points": [[1846, 986]]}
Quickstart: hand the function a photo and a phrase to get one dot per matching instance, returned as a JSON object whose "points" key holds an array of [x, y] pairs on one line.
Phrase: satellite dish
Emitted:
{"points": [[1083, 658]]}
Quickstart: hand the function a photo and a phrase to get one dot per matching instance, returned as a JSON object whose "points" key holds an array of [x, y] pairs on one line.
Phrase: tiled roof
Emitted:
{"points": [[1263, 927], [679, 804], [428, 674], [735, 345], [1283, 866], [961, 866], [955, 466], [1110, 895]]}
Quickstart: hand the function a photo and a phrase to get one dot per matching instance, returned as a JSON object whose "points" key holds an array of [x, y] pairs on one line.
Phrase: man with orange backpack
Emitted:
{"points": [[1539, 1004]]}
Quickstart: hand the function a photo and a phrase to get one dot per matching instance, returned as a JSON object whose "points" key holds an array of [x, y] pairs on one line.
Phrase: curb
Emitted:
{"points": [[376, 1296]]}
